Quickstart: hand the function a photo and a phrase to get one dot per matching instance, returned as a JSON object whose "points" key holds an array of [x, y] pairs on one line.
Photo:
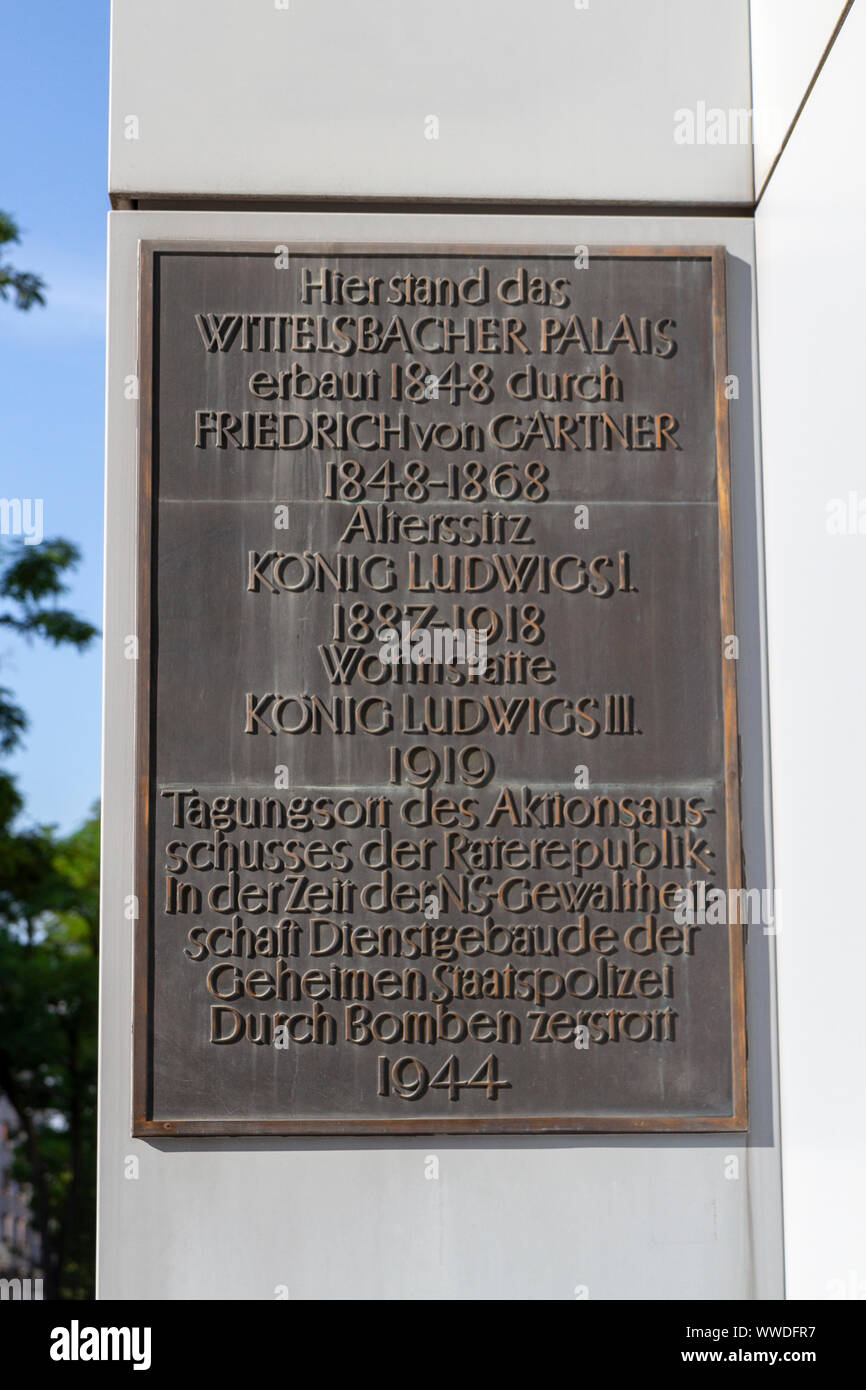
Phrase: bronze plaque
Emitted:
{"points": [[437, 726]]}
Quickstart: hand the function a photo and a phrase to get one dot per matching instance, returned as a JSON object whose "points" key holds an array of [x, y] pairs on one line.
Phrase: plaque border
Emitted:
{"points": [[143, 1124]]}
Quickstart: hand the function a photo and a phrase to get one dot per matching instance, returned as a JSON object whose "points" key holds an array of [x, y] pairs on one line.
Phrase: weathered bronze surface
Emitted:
{"points": [[381, 889]]}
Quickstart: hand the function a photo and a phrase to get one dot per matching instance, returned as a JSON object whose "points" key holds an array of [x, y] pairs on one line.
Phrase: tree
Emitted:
{"points": [[49, 924], [48, 927], [25, 288], [31, 582]]}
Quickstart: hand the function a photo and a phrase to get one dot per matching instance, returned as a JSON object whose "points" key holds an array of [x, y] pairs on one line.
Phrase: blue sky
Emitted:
{"points": [[53, 181]]}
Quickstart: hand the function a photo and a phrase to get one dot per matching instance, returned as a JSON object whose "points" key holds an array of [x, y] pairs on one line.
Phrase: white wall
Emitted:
{"points": [[812, 310], [329, 98], [788, 40], [511, 1217]]}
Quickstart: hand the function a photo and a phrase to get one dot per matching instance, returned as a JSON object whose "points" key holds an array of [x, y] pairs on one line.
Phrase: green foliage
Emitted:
{"points": [[24, 288], [49, 921], [49, 930], [32, 579]]}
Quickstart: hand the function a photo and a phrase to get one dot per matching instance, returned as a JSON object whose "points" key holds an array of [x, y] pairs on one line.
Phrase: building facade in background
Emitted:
{"points": [[20, 1247]]}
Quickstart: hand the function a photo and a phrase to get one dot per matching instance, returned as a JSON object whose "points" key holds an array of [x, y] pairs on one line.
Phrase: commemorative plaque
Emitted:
{"points": [[437, 723]]}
